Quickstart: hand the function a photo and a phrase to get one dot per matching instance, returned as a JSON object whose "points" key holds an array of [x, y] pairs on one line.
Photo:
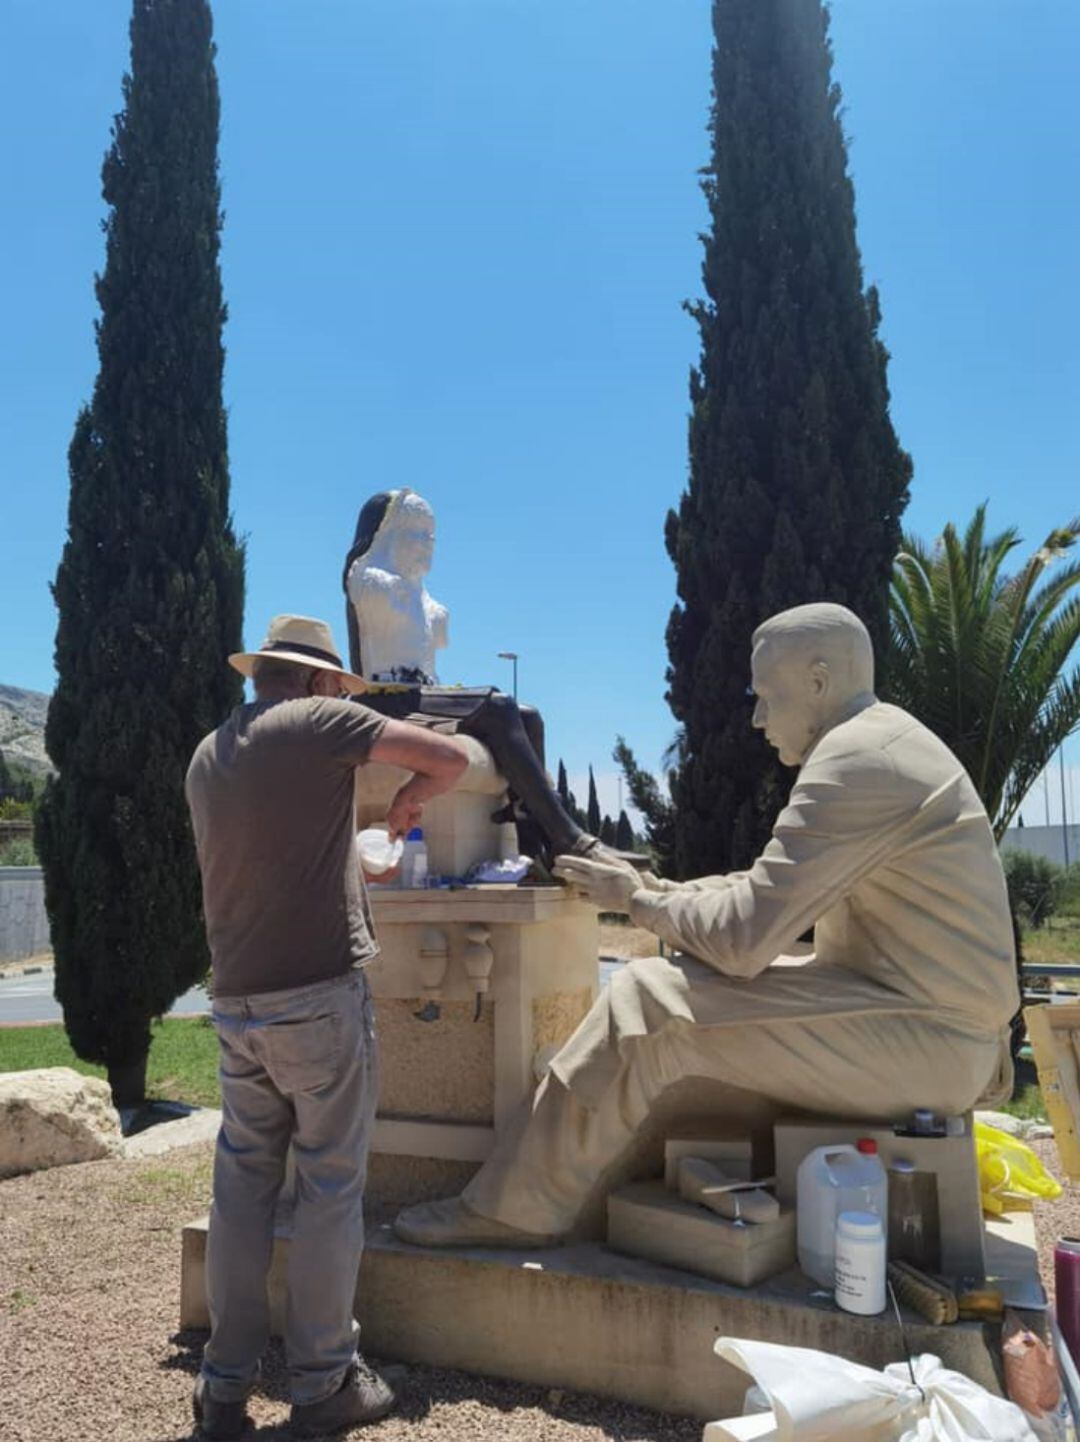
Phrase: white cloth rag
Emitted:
{"points": [[817, 1397]]}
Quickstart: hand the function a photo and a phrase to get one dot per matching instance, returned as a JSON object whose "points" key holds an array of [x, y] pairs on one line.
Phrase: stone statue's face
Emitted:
{"points": [[411, 541], [791, 690]]}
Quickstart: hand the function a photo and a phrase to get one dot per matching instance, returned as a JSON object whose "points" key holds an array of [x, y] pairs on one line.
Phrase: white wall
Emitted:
{"points": [[1048, 841], [24, 926]]}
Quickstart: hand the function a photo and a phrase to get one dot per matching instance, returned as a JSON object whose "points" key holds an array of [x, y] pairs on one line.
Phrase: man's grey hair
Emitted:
{"points": [[832, 633], [273, 671]]}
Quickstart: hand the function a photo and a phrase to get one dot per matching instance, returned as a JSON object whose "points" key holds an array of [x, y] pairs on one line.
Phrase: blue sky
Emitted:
{"points": [[458, 233]]}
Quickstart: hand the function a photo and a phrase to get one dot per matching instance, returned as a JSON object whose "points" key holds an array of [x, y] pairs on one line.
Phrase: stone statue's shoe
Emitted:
{"points": [[452, 1223]]}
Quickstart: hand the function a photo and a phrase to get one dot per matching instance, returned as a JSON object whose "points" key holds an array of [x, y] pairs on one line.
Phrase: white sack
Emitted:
{"points": [[820, 1398]]}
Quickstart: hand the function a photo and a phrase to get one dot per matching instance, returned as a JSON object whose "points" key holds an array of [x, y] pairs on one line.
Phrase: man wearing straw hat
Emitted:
{"points": [[290, 933]]}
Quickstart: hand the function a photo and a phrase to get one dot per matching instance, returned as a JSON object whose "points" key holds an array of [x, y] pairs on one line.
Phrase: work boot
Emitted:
{"points": [[453, 1223], [363, 1396], [217, 1419]]}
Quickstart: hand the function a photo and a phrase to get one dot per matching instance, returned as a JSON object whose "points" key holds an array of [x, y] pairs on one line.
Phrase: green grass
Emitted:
{"points": [[1058, 939], [180, 1187], [183, 1057], [1027, 1103]]}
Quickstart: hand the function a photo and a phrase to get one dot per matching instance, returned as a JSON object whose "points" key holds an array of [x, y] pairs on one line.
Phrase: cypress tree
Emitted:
{"points": [[625, 839], [796, 479], [592, 812], [149, 589], [655, 807], [607, 831], [567, 797]]}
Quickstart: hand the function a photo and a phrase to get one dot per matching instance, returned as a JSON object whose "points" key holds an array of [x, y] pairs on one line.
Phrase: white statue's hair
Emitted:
{"points": [[377, 554], [832, 634]]}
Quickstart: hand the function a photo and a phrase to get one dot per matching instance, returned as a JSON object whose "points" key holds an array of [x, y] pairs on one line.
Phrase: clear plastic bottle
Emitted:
{"points": [[414, 866], [914, 1219]]}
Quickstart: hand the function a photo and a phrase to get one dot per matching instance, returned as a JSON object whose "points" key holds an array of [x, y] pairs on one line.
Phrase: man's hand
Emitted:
{"points": [[607, 885], [404, 813]]}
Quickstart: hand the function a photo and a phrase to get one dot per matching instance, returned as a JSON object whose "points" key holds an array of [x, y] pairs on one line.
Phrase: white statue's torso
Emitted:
{"points": [[401, 625]]}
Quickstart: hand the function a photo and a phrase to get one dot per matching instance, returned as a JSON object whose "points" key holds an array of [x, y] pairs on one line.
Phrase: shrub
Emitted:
{"points": [[19, 852], [1034, 885]]}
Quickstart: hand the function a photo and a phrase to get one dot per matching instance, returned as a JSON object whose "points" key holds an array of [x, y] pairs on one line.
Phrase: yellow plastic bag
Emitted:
{"points": [[1011, 1176]]}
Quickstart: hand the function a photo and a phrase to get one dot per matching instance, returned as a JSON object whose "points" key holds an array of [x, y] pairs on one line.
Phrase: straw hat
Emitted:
{"points": [[301, 639]]}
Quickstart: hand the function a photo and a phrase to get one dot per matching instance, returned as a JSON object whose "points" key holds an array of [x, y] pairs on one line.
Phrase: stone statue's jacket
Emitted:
{"points": [[885, 849]]}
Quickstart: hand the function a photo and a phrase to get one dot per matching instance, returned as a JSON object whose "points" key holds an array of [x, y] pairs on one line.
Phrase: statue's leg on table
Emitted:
{"points": [[536, 1184], [515, 738], [864, 1064]]}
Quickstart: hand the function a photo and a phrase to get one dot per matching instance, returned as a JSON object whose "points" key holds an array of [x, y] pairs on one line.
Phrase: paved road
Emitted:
{"points": [[30, 998]]}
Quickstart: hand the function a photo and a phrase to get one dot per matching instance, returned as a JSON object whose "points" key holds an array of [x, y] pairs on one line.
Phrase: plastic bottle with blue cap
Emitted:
{"points": [[414, 866]]}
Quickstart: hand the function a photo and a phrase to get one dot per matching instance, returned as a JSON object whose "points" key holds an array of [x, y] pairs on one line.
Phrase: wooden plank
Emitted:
{"points": [[1052, 1031]]}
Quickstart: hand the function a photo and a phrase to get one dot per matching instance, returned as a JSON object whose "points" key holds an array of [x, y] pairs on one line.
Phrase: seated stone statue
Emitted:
{"points": [[884, 848], [395, 628]]}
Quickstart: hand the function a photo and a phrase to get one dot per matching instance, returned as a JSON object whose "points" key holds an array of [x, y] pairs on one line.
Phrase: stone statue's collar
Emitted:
{"points": [[850, 708]]}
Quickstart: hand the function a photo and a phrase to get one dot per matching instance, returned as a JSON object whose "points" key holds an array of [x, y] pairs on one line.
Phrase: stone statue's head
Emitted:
{"points": [[809, 667], [395, 531]]}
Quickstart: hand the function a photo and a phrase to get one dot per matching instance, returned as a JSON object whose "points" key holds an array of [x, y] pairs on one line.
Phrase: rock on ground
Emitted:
{"points": [[53, 1117]]}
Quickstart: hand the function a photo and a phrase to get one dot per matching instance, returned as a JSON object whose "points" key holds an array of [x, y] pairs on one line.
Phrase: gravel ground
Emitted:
{"points": [[90, 1294], [626, 941], [1054, 1220]]}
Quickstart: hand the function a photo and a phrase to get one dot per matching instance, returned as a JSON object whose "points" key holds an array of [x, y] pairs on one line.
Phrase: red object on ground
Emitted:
{"points": [[1067, 1292]]}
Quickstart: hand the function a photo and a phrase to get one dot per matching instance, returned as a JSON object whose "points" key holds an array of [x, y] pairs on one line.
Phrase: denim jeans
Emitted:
{"points": [[298, 1067]]}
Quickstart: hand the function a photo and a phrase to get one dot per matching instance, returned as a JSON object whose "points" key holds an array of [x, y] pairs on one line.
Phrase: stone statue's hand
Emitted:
{"points": [[607, 885], [649, 881]]}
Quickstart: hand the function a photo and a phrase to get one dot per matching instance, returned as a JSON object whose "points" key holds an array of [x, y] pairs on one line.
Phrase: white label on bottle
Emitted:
{"points": [[860, 1279]]}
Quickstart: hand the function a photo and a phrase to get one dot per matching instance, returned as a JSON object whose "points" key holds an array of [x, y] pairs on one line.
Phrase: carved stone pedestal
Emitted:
{"points": [[474, 992]]}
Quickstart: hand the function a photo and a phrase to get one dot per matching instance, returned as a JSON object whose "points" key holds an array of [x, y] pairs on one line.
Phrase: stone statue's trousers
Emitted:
{"points": [[866, 1063]]}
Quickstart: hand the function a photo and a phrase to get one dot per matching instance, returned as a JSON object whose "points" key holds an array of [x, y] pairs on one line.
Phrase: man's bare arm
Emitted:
{"points": [[436, 761]]}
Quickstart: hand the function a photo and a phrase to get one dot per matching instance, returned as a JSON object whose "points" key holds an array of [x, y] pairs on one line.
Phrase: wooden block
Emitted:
{"points": [[646, 1220], [699, 1183], [733, 1155], [1054, 1033]]}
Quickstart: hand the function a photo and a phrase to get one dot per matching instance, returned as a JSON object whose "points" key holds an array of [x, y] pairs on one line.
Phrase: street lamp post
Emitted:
{"points": [[511, 656]]}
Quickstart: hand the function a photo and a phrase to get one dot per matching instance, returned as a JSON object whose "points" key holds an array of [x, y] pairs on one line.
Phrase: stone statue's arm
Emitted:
{"points": [[650, 882], [834, 830], [440, 626], [372, 589]]}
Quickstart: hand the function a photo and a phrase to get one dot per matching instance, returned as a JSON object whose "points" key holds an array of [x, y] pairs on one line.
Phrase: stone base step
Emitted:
{"points": [[584, 1318]]}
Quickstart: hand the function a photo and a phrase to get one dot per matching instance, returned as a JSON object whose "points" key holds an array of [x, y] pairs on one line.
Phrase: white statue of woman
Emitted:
{"points": [[402, 626], [395, 629]]}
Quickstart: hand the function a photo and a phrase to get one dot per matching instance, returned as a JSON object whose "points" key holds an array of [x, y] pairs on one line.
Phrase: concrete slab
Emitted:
{"points": [[585, 1318], [199, 1126]]}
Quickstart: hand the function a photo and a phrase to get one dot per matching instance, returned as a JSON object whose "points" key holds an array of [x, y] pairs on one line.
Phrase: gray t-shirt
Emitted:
{"points": [[271, 798]]}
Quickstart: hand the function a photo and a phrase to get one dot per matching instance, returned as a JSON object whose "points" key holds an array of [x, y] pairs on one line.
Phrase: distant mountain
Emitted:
{"points": [[22, 728]]}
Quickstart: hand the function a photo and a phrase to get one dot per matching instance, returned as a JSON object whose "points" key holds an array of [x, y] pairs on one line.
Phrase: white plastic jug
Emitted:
{"points": [[831, 1180]]}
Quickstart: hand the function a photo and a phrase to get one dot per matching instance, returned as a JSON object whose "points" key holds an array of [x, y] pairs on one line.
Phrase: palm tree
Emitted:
{"points": [[979, 655]]}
